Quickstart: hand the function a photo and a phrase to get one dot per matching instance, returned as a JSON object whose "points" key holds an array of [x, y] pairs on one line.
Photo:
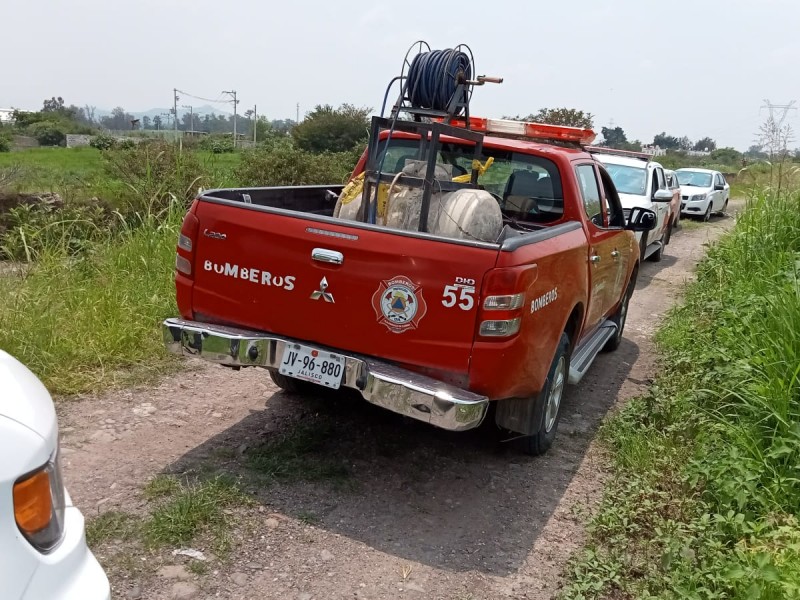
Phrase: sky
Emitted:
{"points": [[696, 68]]}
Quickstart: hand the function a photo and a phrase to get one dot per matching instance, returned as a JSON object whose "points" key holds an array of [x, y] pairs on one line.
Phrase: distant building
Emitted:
{"points": [[653, 150], [6, 115]]}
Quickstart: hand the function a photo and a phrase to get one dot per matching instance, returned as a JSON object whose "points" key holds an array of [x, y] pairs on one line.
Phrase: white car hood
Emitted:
{"points": [[24, 399], [634, 200]]}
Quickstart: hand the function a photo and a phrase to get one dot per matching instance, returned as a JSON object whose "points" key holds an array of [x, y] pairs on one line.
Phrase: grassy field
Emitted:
{"points": [[87, 321], [706, 495], [80, 173]]}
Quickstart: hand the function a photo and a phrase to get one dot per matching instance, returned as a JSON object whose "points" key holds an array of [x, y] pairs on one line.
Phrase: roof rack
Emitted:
{"points": [[627, 153]]}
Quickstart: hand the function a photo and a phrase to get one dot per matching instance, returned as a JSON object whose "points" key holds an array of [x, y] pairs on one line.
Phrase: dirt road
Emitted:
{"points": [[367, 505]]}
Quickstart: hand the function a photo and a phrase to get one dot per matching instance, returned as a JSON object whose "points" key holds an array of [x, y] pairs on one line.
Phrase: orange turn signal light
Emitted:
{"points": [[33, 505]]}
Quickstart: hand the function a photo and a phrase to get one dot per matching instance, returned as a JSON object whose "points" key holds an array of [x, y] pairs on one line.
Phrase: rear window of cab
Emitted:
{"points": [[528, 188]]}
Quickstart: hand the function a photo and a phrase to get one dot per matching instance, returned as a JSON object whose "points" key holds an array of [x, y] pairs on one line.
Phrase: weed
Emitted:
{"points": [[705, 498], [161, 486], [300, 454], [90, 322], [197, 567], [195, 508], [307, 517], [111, 525]]}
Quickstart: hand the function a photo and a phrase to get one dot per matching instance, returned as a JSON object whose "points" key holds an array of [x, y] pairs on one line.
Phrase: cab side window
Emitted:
{"points": [[590, 192]]}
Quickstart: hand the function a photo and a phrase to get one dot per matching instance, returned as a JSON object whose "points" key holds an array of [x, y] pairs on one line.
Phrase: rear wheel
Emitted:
{"points": [[668, 232], [290, 384], [724, 207], [548, 409]]}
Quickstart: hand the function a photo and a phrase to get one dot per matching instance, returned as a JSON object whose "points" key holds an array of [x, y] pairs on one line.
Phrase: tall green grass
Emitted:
{"points": [[706, 497], [89, 320]]}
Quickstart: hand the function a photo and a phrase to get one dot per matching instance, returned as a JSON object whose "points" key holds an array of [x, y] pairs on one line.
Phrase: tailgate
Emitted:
{"points": [[408, 299]]}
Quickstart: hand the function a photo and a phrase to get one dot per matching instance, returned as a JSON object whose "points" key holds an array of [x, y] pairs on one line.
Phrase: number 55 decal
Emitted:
{"points": [[464, 298]]}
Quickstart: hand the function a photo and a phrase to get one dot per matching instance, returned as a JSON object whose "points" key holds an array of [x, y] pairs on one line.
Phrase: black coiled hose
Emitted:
{"points": [[434, 76]]}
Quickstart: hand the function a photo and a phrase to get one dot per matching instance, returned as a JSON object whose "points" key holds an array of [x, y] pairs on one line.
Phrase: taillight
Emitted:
{"points": [[185, 256], [39, 501], [504, 292]]}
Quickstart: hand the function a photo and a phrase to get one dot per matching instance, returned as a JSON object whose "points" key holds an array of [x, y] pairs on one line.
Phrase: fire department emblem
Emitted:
{"points": [[399, 304]]}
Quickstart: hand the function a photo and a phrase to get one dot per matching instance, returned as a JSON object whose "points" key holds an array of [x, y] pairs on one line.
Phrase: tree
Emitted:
{"points": [[685, 143], [157, 121], [569, 117], [666, 142], [615, 138], [118, 120], [705, 144], [53, 105], [146, 122], [328, 129]]}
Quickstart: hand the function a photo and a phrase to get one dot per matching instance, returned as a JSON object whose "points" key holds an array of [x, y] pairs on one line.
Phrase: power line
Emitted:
{"points": [[220, 100]]}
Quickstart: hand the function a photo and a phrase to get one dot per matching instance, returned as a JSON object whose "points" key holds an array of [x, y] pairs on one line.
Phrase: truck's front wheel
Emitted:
{"points": [[548, 409]]}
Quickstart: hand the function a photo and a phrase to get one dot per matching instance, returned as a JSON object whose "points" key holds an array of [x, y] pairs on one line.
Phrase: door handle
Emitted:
{"points": [[327, 256], [615, 254], [594, 258]]}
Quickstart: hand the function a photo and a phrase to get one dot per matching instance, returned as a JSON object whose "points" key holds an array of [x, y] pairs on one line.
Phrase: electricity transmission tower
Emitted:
{"points": [[775, 134], [774, 108]]}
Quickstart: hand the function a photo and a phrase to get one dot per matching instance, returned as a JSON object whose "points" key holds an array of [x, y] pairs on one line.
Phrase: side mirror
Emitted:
{"points": [[719, 187], [641, 219], [662, 196]]}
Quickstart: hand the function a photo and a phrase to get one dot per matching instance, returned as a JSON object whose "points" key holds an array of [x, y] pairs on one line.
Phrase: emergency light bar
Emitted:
{"points": [[614, 151], [529, 129]]}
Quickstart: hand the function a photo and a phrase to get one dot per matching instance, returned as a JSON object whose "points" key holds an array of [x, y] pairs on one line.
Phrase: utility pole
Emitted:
{"points": [[191, 116], [297, 119], [255, 121], [232, 93], [175, 99]]}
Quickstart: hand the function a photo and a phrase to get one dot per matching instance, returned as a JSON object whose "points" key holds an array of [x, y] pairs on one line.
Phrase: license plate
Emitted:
{"points": [[309, 364]]}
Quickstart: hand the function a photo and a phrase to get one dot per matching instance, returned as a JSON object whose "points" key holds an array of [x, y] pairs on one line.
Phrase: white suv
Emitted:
{"points": [[42, 542], [641, 182]]}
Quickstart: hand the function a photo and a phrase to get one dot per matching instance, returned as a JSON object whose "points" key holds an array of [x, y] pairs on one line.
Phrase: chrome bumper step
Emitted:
{"points": [[380, 383]]}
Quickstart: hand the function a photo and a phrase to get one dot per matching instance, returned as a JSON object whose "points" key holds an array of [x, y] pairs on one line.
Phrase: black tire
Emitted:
{"points": [[724, 210], [658, 254], [621, 316], [707, 215], [291, 385], [548, 410]]}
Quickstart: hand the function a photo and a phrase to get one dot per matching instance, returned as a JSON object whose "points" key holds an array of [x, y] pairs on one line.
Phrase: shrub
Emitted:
{"points": [[103, 142], [5, 141], [284, 165], [153, 173], [48, 133]]}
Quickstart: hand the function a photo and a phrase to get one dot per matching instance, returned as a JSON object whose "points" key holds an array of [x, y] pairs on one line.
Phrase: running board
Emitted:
{"points": [[651, 249], [584, 355]]}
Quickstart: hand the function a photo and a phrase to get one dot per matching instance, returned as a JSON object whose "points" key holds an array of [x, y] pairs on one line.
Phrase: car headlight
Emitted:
{"points": [[698, 197], [39, 505]]}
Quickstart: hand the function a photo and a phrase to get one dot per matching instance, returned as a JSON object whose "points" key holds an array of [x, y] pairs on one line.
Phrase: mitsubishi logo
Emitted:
{"points": [[322, 292]]}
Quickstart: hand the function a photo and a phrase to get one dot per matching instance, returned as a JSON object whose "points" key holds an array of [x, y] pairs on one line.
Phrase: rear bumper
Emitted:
{"points": [[380, 383]]}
